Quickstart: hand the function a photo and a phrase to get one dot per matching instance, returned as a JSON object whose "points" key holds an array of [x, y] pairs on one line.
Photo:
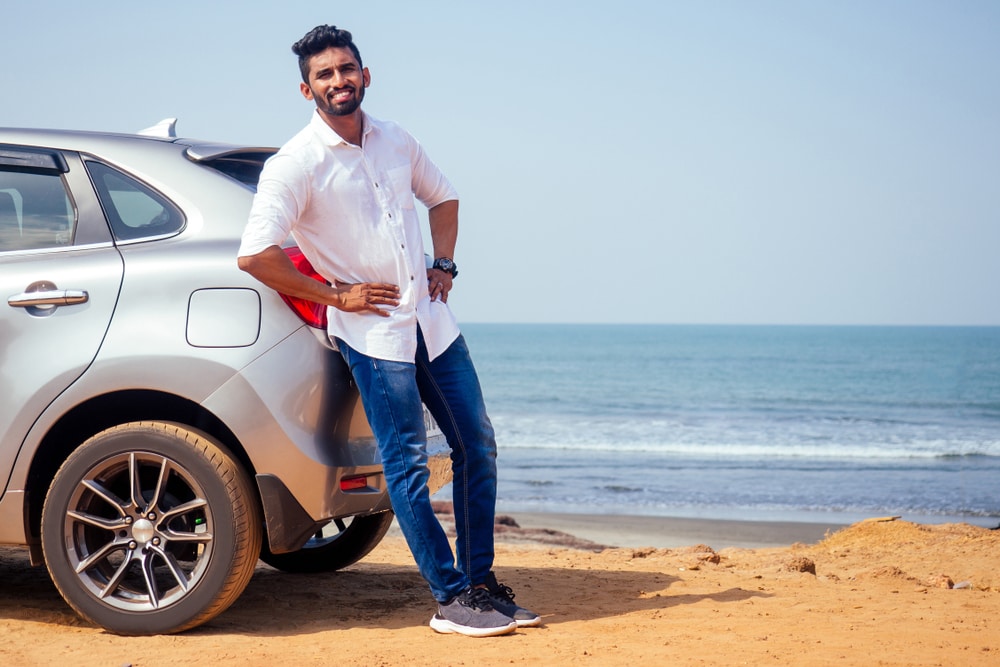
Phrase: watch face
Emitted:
{"points": [[445, 264]]}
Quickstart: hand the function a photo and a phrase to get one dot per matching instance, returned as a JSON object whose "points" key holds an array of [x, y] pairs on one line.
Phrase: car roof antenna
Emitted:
{"points": [[166, 129]]}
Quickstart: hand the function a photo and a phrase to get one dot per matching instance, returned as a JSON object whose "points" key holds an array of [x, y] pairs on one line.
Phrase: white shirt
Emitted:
{"points": [[351, 211]]}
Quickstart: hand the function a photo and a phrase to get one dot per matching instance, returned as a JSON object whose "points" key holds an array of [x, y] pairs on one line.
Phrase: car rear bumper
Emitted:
{"points": [[310, 445]]}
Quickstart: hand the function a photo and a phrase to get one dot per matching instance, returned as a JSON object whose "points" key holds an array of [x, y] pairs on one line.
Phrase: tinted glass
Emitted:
{"points": [[35, 211], [245, 168], [134, 209]]}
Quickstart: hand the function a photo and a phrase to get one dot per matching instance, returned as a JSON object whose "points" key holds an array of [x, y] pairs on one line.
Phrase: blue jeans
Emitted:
{"points": [[392, 393]]}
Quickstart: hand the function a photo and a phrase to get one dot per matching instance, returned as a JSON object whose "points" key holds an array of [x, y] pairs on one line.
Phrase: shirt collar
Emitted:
{"points": [[330, 137]]}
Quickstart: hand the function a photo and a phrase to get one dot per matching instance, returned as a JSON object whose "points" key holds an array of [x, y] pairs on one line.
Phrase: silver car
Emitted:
{"points": [[165, 420]]}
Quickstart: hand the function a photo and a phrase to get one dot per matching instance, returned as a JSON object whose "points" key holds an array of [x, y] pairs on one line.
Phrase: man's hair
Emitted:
{"points": [[319, 39]]}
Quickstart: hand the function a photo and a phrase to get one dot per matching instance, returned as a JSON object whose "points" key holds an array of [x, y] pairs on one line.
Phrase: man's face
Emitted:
{"points": [[336, 82]]}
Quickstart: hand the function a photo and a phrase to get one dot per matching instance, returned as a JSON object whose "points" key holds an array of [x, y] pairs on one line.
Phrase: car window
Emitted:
{"points": [[134, 210], [35, 211], [244, 167]]}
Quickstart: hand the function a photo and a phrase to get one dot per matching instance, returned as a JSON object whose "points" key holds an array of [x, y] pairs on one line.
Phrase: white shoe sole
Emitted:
{"points": [[446, 627]]}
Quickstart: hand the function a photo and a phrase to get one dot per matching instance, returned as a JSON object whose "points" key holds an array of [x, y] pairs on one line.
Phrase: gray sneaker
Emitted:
{"points": [[471, 613], [502, 599]]}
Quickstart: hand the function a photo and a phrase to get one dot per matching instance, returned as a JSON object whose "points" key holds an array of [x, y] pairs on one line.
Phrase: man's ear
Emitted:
{"points": [[366, 77], [306, 91]]}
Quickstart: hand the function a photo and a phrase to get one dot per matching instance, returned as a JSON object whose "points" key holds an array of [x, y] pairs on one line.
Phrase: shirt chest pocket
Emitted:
{"points": [[402, 188]]}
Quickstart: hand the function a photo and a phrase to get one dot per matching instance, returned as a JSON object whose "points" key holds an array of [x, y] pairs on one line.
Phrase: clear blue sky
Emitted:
{"points": [[738, 161]]}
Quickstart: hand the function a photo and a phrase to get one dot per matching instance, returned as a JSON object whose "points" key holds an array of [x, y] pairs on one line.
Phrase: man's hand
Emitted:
{"points": [[367, 297], [443, 220], [272, 267], [438, 284]]}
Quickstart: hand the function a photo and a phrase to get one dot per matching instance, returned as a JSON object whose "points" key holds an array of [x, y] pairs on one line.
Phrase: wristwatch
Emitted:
{"points": [[447, 265]]}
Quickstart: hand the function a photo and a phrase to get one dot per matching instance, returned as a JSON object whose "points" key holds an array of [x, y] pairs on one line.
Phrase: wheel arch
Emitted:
{"points": [[102, 412]]}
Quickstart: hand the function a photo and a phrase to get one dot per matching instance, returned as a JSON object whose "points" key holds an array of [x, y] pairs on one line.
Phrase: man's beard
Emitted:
{"points": [[344, 108]]}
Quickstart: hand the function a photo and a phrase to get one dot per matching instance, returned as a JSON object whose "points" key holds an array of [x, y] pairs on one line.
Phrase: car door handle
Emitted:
{"points": [[68, 297]]}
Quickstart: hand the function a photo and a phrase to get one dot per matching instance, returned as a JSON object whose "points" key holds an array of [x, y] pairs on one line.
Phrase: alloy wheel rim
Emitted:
{"points": [[139, 531]]}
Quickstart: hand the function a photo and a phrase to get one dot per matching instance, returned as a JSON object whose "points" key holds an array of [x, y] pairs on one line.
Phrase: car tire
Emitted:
{"points": [[339, 544], [150, 528]]}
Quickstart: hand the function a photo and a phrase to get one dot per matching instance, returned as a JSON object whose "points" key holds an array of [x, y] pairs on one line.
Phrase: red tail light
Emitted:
{"points": [[310, 312], [354, 483]]}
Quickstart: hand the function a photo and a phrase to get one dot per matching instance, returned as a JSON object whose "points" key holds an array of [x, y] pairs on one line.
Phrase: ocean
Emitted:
{"points": [[800, 423]]}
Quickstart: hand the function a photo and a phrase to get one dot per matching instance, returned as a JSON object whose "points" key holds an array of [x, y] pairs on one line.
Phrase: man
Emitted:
{"points": [[344, 187]]}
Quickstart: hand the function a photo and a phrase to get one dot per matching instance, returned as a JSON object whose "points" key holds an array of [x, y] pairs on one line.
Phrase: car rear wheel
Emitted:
{"points": [[340, 543], [150, 528]]}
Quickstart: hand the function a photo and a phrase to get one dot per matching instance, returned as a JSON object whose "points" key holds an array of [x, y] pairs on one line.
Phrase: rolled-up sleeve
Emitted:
{"points": [[429, 184]]}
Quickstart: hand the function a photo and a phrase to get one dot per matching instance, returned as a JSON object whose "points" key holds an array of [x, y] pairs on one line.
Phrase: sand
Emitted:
{"points": [[879, 592]]}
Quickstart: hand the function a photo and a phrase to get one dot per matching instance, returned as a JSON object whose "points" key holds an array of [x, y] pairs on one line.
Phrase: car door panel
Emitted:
{"points": [[57, 297]]}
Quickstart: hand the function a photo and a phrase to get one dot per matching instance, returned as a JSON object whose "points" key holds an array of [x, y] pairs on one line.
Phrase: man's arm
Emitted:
{"points": [[273, 268], [443, 220]]}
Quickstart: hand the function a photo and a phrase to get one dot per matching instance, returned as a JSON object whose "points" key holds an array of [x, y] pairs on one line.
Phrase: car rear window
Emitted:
{"points": [[244, 167]]}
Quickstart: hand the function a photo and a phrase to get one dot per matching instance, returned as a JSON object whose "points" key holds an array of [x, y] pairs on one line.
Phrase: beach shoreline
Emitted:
{"points": [[598, 530], [615, 530], [665, 532]]}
